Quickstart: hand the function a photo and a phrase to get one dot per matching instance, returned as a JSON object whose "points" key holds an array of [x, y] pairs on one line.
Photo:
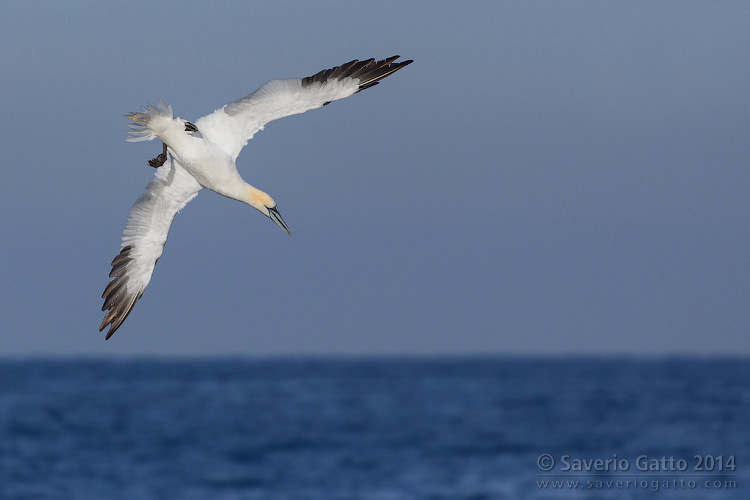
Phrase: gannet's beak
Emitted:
{"points": [[274, 215]]}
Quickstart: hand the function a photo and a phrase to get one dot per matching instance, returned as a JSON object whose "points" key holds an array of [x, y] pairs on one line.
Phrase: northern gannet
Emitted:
{"points": [[202, 155]]}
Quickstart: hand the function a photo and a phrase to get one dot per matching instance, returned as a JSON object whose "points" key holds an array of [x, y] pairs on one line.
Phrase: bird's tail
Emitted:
{"points": [[148, 124]]}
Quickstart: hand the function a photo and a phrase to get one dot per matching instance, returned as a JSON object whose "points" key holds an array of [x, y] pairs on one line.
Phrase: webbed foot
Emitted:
{"points": [[159, 160]]}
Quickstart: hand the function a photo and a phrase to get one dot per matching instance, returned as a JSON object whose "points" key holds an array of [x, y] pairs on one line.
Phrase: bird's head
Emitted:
{"points": [[265, 205]]}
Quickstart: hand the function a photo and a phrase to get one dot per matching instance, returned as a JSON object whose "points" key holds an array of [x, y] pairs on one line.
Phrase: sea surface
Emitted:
{"points": [[379, 429]]}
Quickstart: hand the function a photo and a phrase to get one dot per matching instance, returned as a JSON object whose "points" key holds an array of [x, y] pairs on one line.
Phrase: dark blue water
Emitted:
{"points": [[366, 430]]}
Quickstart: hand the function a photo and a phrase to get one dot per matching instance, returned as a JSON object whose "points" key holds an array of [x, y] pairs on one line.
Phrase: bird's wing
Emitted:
{"points": [[143, 240], [234, 124]]}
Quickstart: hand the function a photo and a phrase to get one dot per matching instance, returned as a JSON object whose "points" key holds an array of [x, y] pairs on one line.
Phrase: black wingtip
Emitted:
{"points": [[369, 72], [118, 301]]}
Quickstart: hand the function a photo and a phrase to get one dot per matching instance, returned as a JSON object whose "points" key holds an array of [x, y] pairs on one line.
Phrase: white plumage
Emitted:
{"points": [[203, 155]]}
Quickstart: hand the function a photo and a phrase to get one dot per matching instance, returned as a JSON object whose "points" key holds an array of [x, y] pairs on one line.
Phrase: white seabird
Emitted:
{"points": [[203, 155]]}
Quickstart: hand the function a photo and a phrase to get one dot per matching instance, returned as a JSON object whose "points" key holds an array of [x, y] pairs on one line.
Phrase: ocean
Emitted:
{"points": [[375, 429]]}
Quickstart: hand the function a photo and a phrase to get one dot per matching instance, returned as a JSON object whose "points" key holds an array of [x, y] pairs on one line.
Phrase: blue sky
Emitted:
{"points": [[546, 178]]}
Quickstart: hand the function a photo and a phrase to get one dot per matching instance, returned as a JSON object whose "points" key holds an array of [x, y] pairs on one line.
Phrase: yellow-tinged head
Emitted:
{"points": [[265, 205]]}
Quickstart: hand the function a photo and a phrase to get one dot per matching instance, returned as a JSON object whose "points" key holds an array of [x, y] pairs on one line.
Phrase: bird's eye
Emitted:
{"points": [[189, 127]]}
